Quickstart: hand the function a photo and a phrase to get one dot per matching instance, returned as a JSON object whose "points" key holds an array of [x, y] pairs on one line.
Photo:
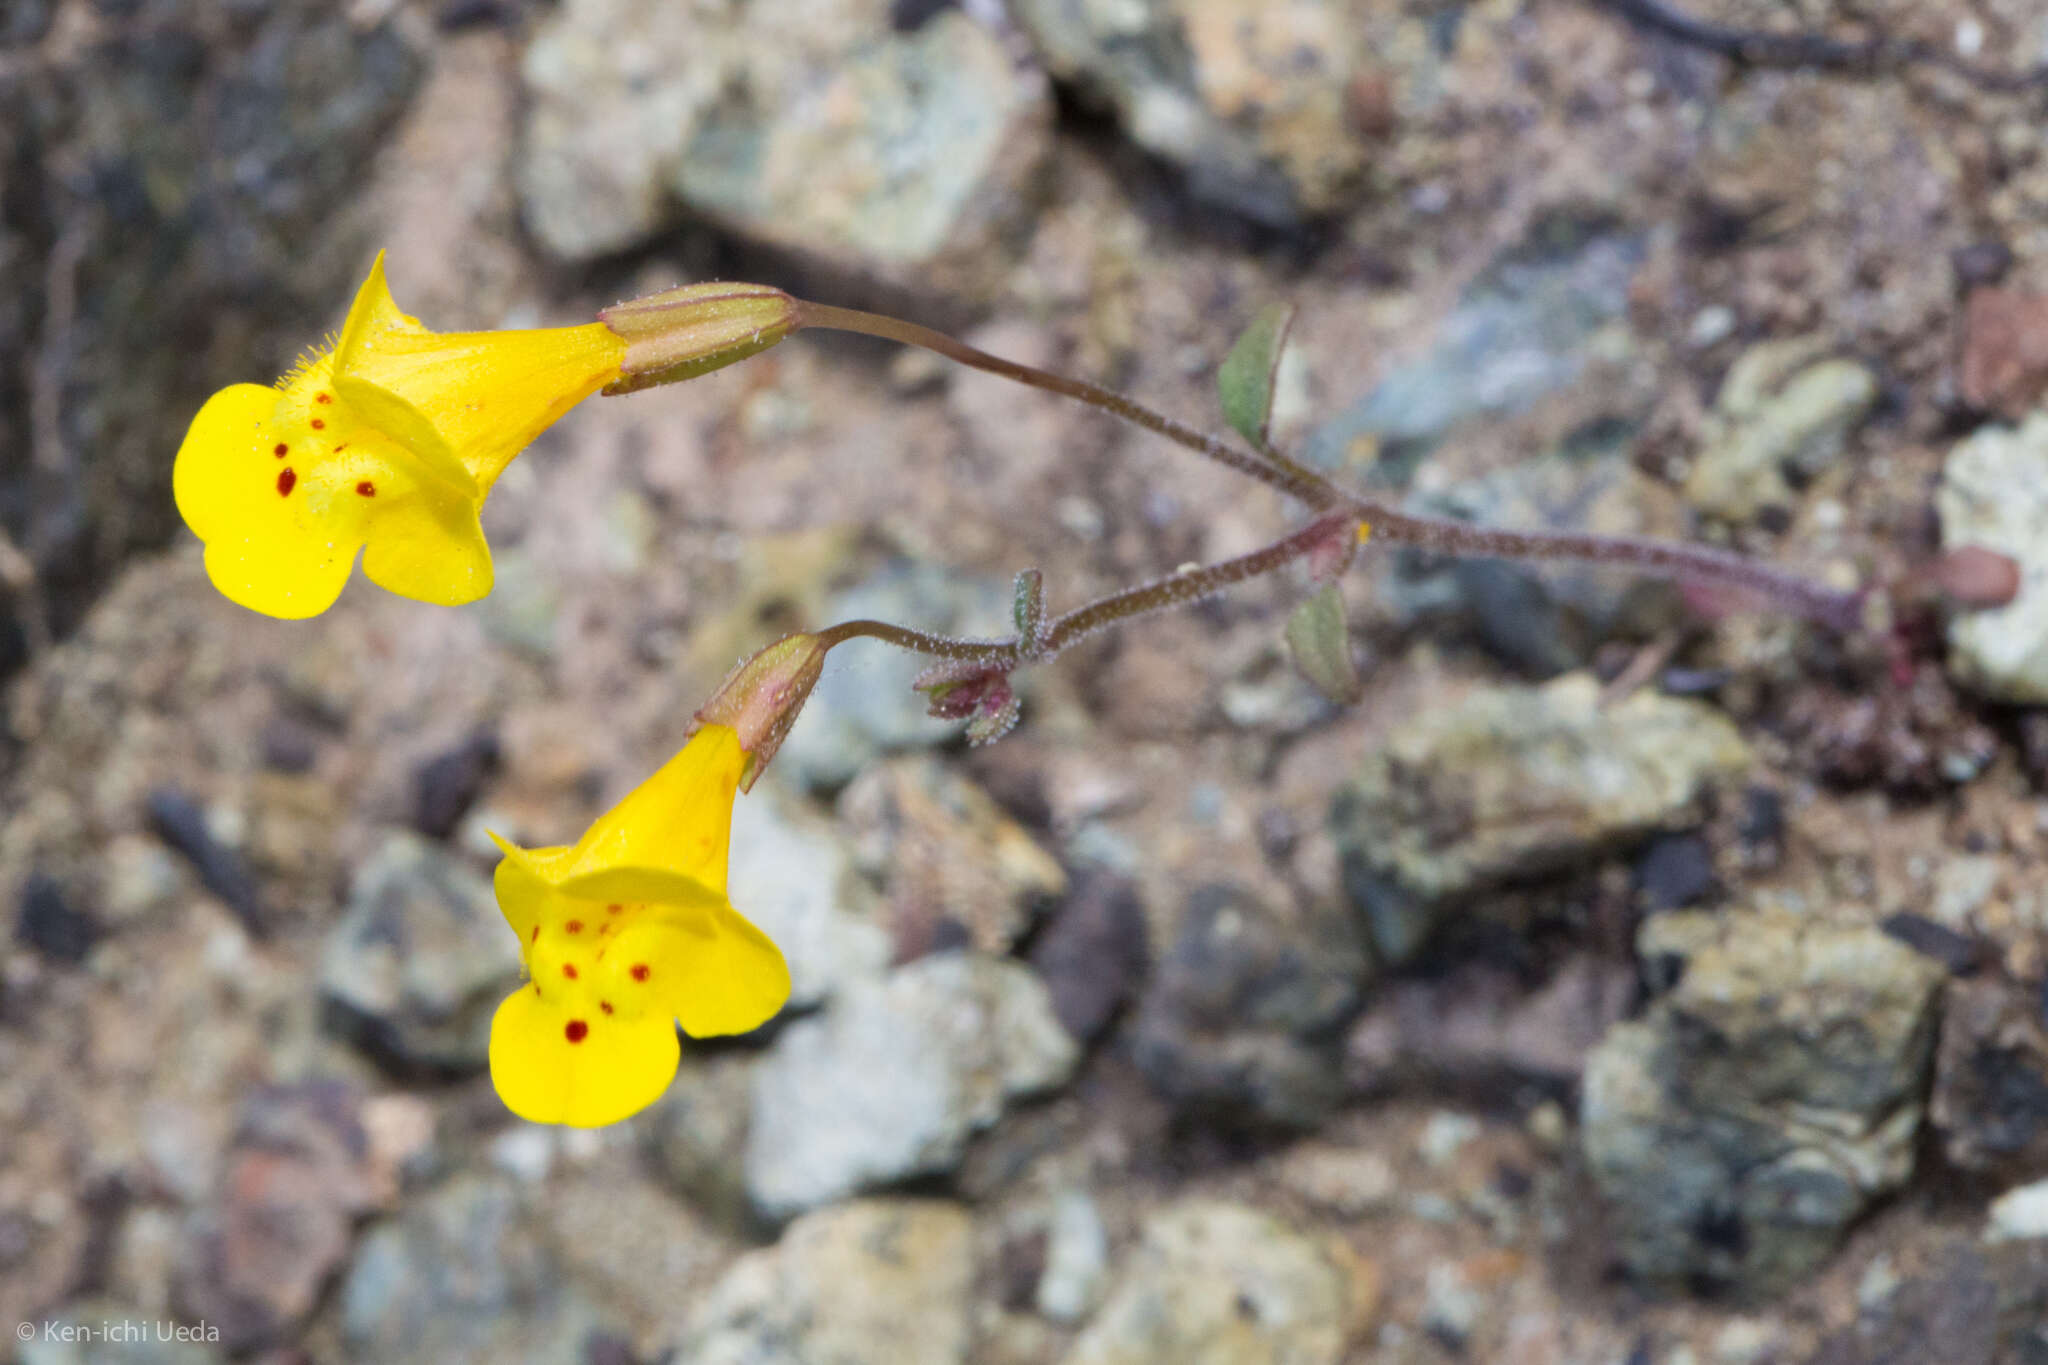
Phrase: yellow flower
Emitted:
{"points": [[625, 935], [385, 444]]}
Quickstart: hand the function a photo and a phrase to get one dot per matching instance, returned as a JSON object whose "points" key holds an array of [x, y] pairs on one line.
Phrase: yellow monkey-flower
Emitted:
{"points": [[385, 444], [626, 934]]}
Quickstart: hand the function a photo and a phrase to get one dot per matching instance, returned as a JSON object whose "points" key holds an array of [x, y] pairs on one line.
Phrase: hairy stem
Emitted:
{"points": [[1002, 653], [1310, 487], [1012, 651], [1193, 584], [1704, 565], [1701, 564]]}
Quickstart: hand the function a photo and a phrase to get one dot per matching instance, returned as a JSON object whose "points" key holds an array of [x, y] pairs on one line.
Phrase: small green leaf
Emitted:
{"points": [[1027, 610], [1244, 384], [1321, 644]]}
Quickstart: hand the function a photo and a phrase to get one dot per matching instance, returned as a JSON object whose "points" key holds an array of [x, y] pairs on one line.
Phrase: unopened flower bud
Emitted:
{"points": [[978, 693], [682, 333], [761, 698]]}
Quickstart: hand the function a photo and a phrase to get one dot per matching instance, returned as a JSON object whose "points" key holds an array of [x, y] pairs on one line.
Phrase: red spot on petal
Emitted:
{"points": [[323, 398], [319, 425], [640, 972], [280, 450], [605, 1005], [340, 447], [574, 926], [536, 933], [576, 1030], [613, 909], [285, 480], [569, 970], [367, 489]]}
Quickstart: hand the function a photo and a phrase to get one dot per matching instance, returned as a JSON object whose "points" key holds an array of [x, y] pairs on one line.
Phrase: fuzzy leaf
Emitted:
{"points": [[1321, 644], [1027, 609], [1244, 383]]}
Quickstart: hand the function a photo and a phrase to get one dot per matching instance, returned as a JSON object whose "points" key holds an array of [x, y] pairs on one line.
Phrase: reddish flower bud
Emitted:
{"points": [[977, 693], [761, 698]]}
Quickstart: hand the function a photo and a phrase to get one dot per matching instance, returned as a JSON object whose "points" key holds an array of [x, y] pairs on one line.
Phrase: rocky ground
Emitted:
{"points": [[1630, 977]]}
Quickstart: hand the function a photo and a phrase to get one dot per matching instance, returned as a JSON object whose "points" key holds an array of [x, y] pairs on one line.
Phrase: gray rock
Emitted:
{"points": [[863, 705], [696, 1132], [1510, 783], [25, 21], [461, 1275], [297, 1178], [1452, 1305], [1782, 411], [1990, 1101], [1764, 1102], [892, 1079], [447, 784], [1970, 1306], [1478, 1027], [873, 1280], [420, 959], [2019, 1214], [1093, 952], [1250, 100], [1272, 694], [614, 95], [1349, 1182], [1994, 494], [811, 126], [1446, 1134], [1962, 885], [147, 1255], [105, 1332], [195, 182], [1224, 1285], [1543, 619], [1878, 1282], [142, 878], [947, 857], [792, 874], [1076, 1259], [1522, 330], [1244, 1017]]}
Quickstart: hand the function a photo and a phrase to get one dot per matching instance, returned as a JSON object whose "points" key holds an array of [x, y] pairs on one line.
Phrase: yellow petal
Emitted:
{"points": [[270, 544], [285, 488], [717, 974], [535, 874], [387, 446], [550, 864], [407, 427], [677, 821], [683, 894], [430, 548], [485, 394], [562, 1062], [524, 893]]}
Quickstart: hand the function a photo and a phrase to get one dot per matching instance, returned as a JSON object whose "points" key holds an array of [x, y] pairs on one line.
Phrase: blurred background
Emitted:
{"points": [[1625, 981]]}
